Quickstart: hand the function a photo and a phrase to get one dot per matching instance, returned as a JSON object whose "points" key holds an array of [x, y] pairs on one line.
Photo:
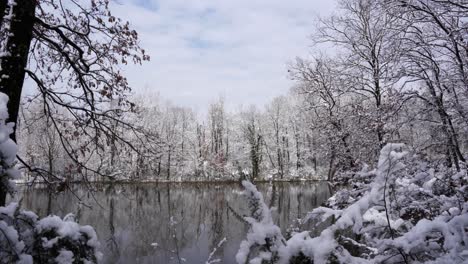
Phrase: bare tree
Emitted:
{"points": [[369, 38], [275, 113], [435, 60], [252, 134], [70, 50], [327, 100]]}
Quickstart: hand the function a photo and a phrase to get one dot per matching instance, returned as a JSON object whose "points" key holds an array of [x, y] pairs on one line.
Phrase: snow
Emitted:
{"points": [[210, 259], [319, 248], [323, 212], [379, 218], [9, 210], [367, 215], [64, 257], [10, 234], [262, 230], [453, 231], [24, 243], [30, 215], [49, 243], [68, 229], [91, 234], [25, 259], [19, 227], [64, 229], [8, 148]]}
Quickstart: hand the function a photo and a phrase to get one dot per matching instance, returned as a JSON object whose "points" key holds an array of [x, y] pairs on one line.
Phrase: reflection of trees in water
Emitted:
{"points": [[134, 216], [217, 219], [111, 242]]}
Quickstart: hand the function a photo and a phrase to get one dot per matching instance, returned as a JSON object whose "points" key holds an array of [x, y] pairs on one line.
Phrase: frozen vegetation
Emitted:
{"points": [[403, 211], [26, 239]]}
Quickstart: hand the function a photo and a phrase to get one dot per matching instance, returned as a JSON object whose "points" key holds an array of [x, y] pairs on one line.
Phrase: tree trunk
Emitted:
{"points": [[280, 162], [298, 152], [3, 8], [447, 127], [12, 67], [159, 167], [331, 166], [17, 46], [51, 164], [169, 165]]}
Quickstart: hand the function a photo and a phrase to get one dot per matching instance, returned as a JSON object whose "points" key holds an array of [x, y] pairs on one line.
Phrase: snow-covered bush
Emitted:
{"points": [[264, 238], [404, 211], [8, 150], [24, 238]]}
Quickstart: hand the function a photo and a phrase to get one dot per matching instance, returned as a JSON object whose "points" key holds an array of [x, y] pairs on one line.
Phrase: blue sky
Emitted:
{"points": [[203, 49]]}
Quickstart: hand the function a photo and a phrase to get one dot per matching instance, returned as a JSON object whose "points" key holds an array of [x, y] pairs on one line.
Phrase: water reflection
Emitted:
{"points": [[170, 223]]}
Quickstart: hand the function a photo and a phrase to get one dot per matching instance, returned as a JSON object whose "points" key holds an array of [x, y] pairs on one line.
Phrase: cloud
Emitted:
{"points": [[203, 49]]}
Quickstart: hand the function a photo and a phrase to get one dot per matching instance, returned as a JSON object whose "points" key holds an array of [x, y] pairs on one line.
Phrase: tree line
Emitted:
{"points": [[381, 71]]}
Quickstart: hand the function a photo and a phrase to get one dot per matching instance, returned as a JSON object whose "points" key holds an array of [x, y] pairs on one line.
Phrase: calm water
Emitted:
{"points": [[131, 218]]}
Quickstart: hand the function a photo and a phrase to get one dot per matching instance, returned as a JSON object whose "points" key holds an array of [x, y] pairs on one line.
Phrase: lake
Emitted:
{"points": [[173, 222]]}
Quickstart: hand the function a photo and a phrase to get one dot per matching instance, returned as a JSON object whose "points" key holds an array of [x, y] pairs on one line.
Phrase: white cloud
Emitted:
{"points": [[201, 49]]}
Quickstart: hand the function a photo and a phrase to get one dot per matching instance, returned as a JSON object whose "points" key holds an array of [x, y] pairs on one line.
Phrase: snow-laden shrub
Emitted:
{"points": [[264, 238], [24, 238], [8, 149], [404, 211]]}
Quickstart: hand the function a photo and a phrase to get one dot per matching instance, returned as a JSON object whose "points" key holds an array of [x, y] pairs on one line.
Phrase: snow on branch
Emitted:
{"points": [[408, 213], [264, 238]]}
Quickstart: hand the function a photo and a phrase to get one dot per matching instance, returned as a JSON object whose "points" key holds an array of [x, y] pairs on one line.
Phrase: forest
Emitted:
{"points": [[378, 112]]}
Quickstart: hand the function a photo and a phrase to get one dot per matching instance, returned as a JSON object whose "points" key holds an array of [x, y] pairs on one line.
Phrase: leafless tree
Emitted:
{"points": [[70, 50], [370, 44]]}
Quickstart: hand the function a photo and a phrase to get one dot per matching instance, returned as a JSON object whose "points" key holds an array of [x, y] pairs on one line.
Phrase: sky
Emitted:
{"points": [[205, 49]]}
